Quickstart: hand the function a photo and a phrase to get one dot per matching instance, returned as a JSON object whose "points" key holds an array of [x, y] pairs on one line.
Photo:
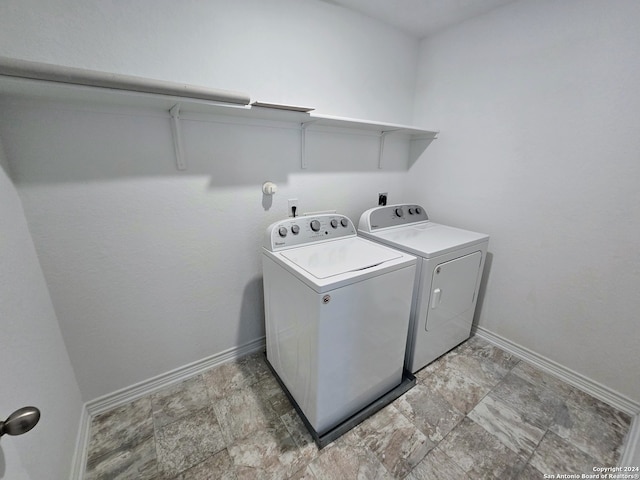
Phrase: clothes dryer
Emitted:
{"points": [[337, 315], [448, 274]]}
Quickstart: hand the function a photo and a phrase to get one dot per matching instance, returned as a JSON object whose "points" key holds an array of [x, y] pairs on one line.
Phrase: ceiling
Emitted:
{"points": [[420, 18]]}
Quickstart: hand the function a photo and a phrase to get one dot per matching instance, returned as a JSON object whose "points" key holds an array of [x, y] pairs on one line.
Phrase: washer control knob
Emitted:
{"points": [[334, 223], [295, 229], [399, 212], [344, 222], [418, 210], [282, 231], [315, 225], [411, 212]]}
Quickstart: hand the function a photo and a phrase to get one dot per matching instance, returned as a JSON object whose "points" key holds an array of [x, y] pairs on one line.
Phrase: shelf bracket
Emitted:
{"points": [[383, 134], [303, 140], [176, 130]]}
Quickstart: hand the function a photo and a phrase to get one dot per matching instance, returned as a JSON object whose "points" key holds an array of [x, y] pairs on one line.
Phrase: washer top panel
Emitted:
{"points": [[343, 256], [325, 253]]}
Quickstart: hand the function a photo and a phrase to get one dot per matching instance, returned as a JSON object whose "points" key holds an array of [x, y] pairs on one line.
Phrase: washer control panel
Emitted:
{"points": [[307, 229], [392, 216]]}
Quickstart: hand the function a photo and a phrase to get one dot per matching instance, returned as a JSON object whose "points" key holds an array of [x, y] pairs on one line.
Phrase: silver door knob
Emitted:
{"points": [[20, 421]]}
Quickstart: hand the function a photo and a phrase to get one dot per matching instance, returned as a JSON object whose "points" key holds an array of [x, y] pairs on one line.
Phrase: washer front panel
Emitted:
{"points": [[336, 353]]}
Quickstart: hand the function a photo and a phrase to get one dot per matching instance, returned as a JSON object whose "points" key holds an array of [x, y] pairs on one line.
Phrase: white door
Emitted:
{"points": [[34, 365]]}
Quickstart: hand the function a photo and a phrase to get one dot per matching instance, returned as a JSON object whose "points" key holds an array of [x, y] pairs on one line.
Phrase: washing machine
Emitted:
{"points": [[337, 312], [448, 274]]}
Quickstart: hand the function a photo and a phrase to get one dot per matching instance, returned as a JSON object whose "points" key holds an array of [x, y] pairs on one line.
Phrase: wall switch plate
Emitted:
{"points": [[292, 209], [382, 199]]}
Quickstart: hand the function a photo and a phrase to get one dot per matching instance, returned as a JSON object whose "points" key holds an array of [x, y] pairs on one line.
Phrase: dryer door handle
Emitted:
{"points": [[435, 297]]}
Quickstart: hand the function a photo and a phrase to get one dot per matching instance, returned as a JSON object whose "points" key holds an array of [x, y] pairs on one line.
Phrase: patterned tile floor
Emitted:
{"points": [[477, 412]]}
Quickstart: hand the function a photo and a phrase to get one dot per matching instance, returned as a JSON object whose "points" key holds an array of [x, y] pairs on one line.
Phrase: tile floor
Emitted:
{"points": [[477, 412]]}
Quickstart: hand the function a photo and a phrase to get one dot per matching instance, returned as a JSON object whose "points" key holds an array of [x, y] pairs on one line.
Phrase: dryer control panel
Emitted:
{"points": [[307, 229], [391, 216]]}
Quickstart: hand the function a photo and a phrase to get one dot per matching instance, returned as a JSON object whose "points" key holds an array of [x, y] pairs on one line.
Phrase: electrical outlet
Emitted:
{"points": [[293, 207], [382, 199]]}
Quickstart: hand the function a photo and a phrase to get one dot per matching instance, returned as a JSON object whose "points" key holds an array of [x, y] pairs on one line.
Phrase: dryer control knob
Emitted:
{"points": [[282, 231], [344, 222], [418, 210], [315, 225], [295, 229], [334, 223], [399, 212], [411, 211]]}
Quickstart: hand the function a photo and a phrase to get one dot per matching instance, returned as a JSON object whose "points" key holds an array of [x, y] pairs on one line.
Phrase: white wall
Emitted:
{"points": [[150, 268], [538, 106], [35, 365], [304, 52]]}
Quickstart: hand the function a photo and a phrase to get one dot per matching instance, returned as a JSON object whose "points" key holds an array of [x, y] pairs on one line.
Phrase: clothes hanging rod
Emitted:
{"points": [[14, 67]]}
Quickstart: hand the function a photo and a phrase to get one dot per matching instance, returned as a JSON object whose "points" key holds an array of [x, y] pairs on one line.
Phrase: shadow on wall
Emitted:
{"points": [[416, 149], [46, 144], [486, 272], [3, 465], [251, 324]]}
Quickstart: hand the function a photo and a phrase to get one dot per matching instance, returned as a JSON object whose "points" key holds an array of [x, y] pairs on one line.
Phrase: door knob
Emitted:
{"points": [[20, 421]]}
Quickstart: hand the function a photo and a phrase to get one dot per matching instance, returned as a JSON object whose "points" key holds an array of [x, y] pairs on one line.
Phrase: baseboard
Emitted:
{"points": [[129, 394], [82, 442], [593, 388], [631, 454]]}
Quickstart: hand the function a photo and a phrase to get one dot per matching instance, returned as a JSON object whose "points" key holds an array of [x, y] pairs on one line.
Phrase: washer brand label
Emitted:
{"points": [[279, 244]]}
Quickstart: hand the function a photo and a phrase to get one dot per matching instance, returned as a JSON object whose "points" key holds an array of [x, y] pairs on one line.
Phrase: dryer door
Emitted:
{"points": [[453, 291]]}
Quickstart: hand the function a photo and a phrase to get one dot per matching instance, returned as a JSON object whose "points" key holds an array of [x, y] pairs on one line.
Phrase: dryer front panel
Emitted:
{"points": [[453, 291], [446, 294]]}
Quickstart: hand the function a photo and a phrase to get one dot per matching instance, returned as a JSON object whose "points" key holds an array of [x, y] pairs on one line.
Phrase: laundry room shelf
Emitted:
{"points": [[418, 137], [15, 89], [342, 122]]}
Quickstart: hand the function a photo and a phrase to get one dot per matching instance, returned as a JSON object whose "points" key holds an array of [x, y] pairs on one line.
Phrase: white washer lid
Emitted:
{"points": [[429, 239], [329, 259]]}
